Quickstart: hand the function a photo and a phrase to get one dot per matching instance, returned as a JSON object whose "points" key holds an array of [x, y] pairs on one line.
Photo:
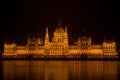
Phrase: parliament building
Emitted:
{"points": [[59, 47]]}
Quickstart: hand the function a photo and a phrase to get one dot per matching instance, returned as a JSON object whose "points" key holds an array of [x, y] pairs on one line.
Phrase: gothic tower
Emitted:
{"points": [[46, 43], [66, 37], [66, 40]]}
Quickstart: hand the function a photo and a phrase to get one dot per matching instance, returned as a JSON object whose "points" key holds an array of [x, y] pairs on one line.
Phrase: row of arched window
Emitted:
{"points": [[110, 47]]}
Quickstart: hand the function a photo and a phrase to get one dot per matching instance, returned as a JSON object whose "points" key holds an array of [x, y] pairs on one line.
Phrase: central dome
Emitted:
{"points": [[59, 30]]}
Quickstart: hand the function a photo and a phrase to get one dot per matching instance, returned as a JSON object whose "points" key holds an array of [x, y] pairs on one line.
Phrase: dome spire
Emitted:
{"points": [[59, 23], [65, 28]]}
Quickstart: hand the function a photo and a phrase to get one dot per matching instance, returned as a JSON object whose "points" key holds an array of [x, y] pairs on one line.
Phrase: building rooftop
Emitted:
{"points": [[59, 30]]}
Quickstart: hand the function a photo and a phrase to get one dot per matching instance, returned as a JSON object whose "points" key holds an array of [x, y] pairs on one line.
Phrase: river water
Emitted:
{"points": [[59, 70]]}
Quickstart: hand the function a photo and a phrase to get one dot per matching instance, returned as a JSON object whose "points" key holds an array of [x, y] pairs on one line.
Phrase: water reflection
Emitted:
{"points": [[1, 70], [60, 70]]}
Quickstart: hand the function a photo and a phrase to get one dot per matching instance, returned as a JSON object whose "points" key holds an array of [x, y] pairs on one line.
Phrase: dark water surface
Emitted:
{"points": [[60, 70]]}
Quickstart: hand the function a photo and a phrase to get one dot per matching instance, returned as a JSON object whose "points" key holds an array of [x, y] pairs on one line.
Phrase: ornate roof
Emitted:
{"points": [[59, 30]]}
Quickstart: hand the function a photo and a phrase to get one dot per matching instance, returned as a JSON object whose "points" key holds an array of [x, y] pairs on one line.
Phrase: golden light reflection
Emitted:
{"points": [[61, 70]]}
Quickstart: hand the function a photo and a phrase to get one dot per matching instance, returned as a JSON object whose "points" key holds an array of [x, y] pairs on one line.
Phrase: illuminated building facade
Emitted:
{"points": [[59, 46]]}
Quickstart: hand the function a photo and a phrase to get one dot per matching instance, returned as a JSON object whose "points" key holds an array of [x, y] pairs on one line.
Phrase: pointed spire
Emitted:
{"points": [[46, 29], [5, 41], [59, 23], [47, 36], [65, 28]]}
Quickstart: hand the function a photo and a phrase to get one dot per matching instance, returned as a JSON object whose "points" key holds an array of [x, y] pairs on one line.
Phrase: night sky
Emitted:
{"points": [[19, 19]]}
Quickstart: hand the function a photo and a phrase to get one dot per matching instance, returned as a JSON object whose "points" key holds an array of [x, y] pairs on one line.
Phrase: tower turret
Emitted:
{"points": [[66, 37], [46, 37]]}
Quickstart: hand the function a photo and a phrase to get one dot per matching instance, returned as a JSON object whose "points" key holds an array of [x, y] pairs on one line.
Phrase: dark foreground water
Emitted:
{"points": [[59, 70]]}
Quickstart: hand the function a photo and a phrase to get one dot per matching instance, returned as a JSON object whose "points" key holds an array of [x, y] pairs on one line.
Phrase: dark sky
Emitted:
{"points": [[21, 18]]}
